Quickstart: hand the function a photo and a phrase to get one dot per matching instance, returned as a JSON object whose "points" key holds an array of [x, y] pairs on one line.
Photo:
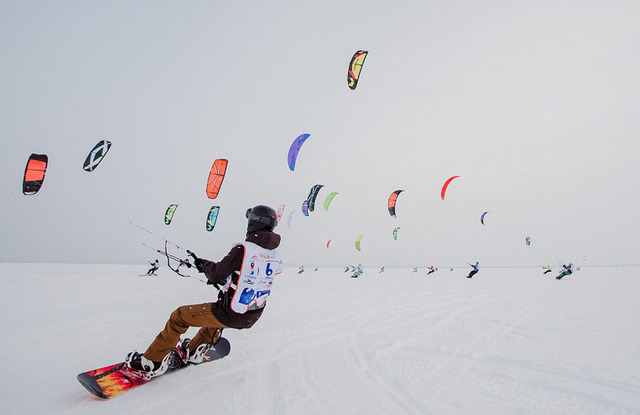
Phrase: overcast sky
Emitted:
{"points": [[534, 104]]}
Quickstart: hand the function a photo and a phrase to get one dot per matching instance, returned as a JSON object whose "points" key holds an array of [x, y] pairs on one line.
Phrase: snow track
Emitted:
{"points": [[508, 341]]}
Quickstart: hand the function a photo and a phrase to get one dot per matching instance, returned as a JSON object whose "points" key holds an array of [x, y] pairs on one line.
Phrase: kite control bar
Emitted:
{"points": [[171, 257], [196, 262]]}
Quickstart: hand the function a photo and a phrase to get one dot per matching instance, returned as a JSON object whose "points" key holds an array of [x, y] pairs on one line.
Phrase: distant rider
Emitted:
{"points": [[357, 271], [566, 270], [154, 267], [475, 269]]}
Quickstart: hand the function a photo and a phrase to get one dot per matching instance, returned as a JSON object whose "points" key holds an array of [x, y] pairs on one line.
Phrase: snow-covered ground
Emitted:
{"points": [[508, 341]]}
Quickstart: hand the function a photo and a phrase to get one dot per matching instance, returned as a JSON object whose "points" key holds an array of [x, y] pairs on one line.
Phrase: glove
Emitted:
{"points": [[199, 263]]}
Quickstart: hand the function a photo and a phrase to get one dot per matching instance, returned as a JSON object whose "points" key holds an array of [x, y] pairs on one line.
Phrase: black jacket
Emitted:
{"points": [[217, 272]]}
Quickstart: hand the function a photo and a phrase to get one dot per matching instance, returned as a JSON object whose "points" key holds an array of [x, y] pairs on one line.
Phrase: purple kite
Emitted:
{"points": [[294, 149]]}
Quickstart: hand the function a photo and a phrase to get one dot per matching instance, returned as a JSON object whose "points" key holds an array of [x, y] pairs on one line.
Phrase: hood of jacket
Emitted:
{"points": [[264, 238]]}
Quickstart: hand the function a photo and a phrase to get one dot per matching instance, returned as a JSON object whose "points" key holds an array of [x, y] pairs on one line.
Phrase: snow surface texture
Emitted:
{"points": [[508, 341]]}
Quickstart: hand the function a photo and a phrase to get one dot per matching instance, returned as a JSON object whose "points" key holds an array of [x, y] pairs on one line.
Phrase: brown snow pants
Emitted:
{"points": [[181, 319]]}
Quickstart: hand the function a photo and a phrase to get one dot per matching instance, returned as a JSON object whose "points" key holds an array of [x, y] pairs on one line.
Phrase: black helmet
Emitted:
{"points": [[261, 217]]}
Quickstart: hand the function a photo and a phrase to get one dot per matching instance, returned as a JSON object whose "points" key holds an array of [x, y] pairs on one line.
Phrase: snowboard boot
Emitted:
{"points": [[181, 353], [198, 355], [176, 360], [191, 357], [145, 368]]}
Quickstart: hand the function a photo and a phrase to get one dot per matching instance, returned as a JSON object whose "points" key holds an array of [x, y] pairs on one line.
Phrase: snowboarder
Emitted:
{"points": [[432, 270], [474, 271], [154, 267], [357, 271], [246, 271], [566, 270], [547, 269]]}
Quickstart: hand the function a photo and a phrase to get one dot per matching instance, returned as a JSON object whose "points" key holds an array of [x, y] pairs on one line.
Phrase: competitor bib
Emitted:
{"points": [[259, 268]]}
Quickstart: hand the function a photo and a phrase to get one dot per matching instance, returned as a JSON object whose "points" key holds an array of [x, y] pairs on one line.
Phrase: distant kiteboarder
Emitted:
{"points": [[566, 270], [301, 269], [415, 269], [381, 270], [357, 271], [475, 269], [547, 269], [154, 267], [432, 270]]}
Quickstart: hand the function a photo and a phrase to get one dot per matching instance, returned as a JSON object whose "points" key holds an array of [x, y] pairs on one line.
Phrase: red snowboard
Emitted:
{"points": [[111, 381]]}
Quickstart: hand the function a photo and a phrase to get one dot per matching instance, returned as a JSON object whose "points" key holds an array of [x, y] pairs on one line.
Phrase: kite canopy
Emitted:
{"points": [[395, 233], [168, 215], [328, 199], [96, 155], [216, 176], [34, 173], [527, 240], [358, 242], [313, 194], [392, 202], [289, 218], [328, 242], [482, 217], [446, 185], [280, 212], [212, 217], [355, 67], [294, 149], [305, 208]]}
